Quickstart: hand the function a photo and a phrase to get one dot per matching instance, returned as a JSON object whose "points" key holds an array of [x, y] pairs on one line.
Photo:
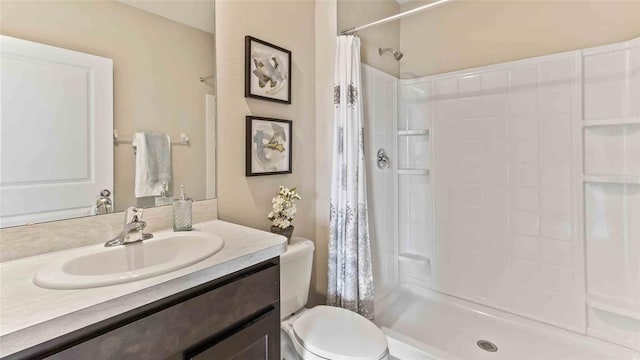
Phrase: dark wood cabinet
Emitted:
{"points": [[234, 317], [258, 340]]}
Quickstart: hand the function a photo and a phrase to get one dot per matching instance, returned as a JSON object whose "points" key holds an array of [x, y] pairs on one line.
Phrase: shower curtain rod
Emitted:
{"points": [[395, 17]]}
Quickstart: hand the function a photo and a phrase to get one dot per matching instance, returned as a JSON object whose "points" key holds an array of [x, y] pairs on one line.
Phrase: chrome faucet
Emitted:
{"points": [[133, 229], [104, 205]]}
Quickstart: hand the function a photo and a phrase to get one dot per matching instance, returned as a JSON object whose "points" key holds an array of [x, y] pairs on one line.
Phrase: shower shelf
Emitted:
{"points": [[612, 179], [413, 132], [612, 306], [414, 258], [608, 122], [413, 171]]}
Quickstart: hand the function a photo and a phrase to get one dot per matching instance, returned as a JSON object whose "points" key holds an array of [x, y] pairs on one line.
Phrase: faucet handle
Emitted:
{"points": [[133, 214]]}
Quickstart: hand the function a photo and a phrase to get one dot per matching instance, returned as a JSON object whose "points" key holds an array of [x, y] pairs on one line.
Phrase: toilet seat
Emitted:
{"points": [[325, 332]]}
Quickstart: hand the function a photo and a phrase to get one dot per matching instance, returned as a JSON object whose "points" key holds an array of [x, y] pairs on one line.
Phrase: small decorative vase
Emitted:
{"points": [[284, 232]]}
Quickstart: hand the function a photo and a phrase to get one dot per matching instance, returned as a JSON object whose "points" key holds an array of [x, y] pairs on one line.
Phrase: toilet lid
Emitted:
{"points": [[339, 334]]}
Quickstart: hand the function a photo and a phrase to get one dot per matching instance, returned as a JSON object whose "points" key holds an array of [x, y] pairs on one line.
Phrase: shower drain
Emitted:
{"points": [[487, 346]]}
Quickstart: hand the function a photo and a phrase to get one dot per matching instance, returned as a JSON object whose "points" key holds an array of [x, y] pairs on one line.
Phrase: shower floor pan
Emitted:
{"points": [[425, 325]]}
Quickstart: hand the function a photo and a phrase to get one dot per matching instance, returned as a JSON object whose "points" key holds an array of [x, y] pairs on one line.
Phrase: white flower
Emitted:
{"points": [[283, 207], [290, 212]]}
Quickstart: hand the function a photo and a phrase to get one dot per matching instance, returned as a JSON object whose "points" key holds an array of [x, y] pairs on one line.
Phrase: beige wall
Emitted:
{"points": [[353, 13], [289, 24], [326, 23], [157, 63], [307, 28], [470, 33]]}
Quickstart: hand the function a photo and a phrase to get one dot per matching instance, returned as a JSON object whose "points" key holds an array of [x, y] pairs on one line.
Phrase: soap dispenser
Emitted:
{"points": [[164, 198], [182, 212]]}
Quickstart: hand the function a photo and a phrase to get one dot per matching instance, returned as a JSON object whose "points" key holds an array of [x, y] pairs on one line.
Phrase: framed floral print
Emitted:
{"points": [[267, 73], [268, 146]]}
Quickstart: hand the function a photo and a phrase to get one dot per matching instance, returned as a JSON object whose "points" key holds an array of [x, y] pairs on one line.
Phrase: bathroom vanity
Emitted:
{"points": [[237, 315], [225, 306]]}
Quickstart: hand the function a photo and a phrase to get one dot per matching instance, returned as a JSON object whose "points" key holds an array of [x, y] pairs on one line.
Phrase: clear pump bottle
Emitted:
{"points": [[164, 198], [182, 212]]}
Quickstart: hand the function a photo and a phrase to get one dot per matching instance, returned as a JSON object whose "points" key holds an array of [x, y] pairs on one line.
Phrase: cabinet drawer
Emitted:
{"points": [[187, 322], [257, 340]]}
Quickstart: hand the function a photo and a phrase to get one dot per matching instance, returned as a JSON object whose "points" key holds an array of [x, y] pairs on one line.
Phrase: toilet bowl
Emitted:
{"points": [[325, 332], [321, 332]]}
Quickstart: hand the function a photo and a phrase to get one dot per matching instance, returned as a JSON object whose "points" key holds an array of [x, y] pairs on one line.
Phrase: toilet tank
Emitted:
{"points": [[295, 275]]}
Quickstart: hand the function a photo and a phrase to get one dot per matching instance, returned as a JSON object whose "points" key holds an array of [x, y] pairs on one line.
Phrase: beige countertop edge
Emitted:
{"points": [[241, 253]]}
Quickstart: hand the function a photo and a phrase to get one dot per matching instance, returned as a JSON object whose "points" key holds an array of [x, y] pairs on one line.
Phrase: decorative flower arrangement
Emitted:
{"points": [[284, 207]]}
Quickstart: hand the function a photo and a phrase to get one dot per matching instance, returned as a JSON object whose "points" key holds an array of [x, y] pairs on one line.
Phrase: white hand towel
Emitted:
{"points": [[153, 163]]}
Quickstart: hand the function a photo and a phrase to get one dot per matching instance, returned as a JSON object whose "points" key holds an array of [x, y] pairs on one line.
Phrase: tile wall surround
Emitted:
{"points": [[611, 175], [505, 188], [30, 240], [533, 169], [414, 187], [379, 93]]}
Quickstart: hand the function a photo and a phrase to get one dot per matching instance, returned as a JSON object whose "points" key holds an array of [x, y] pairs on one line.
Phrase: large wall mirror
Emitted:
{"points": [[105, 105]]}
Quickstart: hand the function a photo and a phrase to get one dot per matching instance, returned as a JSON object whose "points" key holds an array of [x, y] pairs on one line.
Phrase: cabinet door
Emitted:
{"points": [[184, 324], [258, 340]]}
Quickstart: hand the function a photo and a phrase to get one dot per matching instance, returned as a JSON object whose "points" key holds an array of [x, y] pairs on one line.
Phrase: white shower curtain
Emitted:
{"points": [[350, 277]]}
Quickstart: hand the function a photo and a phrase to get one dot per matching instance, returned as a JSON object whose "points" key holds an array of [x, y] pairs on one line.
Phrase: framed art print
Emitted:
{"points": [[267, 74], [268, 146]]}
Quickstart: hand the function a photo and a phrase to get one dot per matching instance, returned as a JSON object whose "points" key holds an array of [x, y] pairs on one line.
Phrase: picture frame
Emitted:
{"points": [[269, 146], [267, 74]]}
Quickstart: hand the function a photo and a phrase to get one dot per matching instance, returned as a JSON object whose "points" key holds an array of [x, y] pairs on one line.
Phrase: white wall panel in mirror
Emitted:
{"points": [[56, 121]]}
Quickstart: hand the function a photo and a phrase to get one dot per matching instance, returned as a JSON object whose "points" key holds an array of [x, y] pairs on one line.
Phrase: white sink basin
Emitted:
{"points": [[97, 265]]}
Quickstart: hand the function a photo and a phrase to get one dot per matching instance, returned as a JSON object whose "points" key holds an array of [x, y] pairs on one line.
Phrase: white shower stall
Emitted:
{"points": [[510, 209]]}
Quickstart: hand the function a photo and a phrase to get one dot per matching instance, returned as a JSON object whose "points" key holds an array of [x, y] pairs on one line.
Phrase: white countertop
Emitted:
{"points": [[30, 315]]}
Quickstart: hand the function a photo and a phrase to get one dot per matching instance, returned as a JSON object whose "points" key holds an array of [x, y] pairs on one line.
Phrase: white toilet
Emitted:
{"points": [[322, 332]]}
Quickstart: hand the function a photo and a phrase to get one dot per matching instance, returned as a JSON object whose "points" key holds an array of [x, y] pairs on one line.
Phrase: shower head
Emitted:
{"points": [[396, 54]]}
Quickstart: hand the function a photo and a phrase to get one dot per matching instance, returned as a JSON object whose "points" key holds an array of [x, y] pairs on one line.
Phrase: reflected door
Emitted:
{"points": [[56, 132]]}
